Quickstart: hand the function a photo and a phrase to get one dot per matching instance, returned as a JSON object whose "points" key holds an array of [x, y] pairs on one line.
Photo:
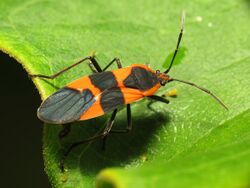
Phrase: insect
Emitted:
{"points": [[104, 91]]}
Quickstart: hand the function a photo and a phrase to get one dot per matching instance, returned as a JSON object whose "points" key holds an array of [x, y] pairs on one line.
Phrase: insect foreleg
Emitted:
{"points": [[158, 98]]}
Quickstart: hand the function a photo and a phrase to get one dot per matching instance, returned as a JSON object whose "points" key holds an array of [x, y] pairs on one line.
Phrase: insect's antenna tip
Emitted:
{"points": [[178, 42], [219, 101], [183, 20], [224, 106]]}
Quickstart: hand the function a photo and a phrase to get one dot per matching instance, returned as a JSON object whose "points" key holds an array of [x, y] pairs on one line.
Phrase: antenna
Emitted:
{"points": [[202, 89], [178, 42]]}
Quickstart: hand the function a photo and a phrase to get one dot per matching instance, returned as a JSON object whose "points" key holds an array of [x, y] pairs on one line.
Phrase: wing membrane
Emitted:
{"points": [[65, 106]]}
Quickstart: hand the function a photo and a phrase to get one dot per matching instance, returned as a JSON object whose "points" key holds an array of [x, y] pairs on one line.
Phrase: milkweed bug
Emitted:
{"points": [[104, 91]]}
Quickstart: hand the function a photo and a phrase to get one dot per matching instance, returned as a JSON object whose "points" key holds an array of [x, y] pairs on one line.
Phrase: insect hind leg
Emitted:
{"points": [[90, 58], [65, 131], [103, 134]]}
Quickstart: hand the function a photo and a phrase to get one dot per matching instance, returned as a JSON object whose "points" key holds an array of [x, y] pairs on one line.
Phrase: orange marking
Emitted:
{"points": [[94, 111], [121, 75], [152, 90], [131, 95], [84, 83]]}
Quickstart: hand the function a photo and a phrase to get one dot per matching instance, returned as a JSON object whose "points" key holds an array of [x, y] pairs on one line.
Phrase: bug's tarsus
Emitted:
{"points": [[202, 89], [129, 123], [126, 130], [178, 43]]}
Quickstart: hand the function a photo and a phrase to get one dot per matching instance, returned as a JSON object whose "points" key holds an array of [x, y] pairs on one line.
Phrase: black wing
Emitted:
{"points": [[65, 106]]}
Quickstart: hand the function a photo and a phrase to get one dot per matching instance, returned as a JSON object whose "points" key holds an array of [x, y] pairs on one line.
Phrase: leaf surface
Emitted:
{"points": [[191, 142]]}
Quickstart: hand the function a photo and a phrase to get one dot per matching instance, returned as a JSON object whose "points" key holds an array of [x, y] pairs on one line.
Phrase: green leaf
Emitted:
{"points": [[191, 142]]}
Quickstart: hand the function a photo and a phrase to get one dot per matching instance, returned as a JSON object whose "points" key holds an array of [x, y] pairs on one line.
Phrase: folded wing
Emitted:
{"points": [[65, 106]]}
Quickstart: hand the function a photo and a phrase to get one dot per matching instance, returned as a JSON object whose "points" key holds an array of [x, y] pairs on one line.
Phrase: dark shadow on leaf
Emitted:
{"points": [[49, 83], [120, 148]]}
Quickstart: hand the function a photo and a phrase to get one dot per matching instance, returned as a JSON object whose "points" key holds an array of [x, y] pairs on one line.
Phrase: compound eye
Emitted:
{"points": [[163, 82], [157, 72]]}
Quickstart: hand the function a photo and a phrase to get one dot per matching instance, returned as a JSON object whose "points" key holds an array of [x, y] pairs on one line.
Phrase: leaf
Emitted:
{"points": [[191, 142]]}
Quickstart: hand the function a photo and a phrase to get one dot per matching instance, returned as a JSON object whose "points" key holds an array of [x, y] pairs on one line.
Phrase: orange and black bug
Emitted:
{"points": [[104, 91]]}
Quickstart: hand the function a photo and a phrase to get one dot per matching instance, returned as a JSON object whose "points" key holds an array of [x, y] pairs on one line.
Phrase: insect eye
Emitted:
{"points": [[157, 72], [162, 82]]}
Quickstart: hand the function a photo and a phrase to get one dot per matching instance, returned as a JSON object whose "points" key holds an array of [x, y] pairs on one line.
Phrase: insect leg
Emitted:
{"points": [[65, 131], [129, 123], [90, 58], [119, 65], [158, 98], [103, 134], [92, 67], [126, 130], [118, 62]]}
